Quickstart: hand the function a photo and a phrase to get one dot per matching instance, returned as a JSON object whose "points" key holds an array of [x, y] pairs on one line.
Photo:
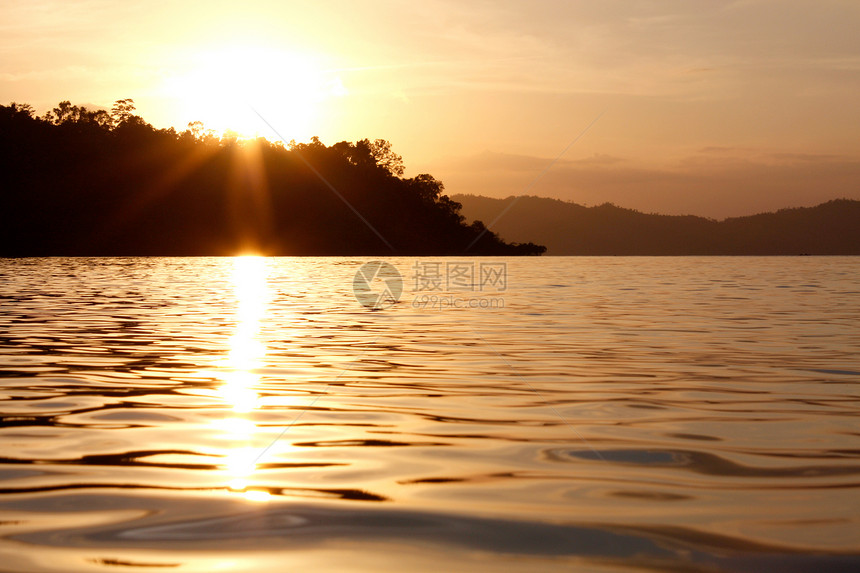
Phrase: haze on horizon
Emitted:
{"points": [[710, 108]]}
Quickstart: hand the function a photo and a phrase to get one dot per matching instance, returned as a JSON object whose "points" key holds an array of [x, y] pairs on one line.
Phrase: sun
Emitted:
{"points": [[244, 88]]}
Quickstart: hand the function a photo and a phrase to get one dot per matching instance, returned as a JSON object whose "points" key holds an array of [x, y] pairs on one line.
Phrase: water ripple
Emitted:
{"points": [[203, 414]]}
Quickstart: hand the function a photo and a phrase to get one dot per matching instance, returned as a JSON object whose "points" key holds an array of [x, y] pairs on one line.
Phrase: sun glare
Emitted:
{"points": [[239, 375], [246, 349], [226, 88]]}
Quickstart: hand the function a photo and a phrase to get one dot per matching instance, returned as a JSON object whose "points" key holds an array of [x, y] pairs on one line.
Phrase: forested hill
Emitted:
{"points": [[832, 228], [82, 182]]}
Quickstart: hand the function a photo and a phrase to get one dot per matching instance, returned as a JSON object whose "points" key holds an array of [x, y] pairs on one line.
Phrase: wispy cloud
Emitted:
{"points": [[728, 182]]}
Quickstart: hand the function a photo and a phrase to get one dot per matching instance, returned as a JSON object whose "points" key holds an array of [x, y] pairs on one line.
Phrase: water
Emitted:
{"points": [[604, 414]]}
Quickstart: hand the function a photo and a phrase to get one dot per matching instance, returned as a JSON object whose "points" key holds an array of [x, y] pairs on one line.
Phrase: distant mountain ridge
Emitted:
{"points": [[566, 228]]}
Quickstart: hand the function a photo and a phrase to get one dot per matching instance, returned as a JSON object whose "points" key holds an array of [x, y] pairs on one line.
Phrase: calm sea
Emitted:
{"points": [[595, 414]]}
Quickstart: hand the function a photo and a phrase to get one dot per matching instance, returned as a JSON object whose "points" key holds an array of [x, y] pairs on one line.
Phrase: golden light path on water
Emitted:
{"points": [[240, 374], [618, 414]]}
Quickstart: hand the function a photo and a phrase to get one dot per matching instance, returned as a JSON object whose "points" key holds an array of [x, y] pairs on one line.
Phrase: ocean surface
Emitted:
{"points": [[517, 414]]}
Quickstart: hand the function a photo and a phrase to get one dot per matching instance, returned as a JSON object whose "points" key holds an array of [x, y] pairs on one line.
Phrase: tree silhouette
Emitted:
{"points": [[116, 185], [122, 110], [384, 156]]}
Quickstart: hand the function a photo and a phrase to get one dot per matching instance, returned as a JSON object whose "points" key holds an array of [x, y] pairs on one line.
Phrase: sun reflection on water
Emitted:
{"points": [[239, 372]]}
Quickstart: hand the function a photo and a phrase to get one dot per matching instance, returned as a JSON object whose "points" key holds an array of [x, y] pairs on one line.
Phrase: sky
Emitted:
{"points": [[709, 108]]}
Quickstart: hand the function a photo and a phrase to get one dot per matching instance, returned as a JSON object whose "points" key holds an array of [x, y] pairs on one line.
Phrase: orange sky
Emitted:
{"points": [[712, 108]]}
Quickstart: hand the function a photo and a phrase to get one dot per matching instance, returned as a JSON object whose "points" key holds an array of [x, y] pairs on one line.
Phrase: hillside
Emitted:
{"points": [[81, 182], [565, 228]]}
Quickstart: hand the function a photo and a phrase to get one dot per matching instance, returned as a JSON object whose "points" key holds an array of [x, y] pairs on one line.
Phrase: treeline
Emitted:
{"points": [[90, 182], [566, 228]]}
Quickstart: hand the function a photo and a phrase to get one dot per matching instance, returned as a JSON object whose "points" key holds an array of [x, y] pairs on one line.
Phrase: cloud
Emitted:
{"points": [[807, 157], [715, 184], [598, 159], [721, 149]]}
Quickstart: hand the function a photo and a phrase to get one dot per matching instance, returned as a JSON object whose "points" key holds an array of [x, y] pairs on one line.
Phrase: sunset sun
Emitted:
{"points": [[232, 88]]}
